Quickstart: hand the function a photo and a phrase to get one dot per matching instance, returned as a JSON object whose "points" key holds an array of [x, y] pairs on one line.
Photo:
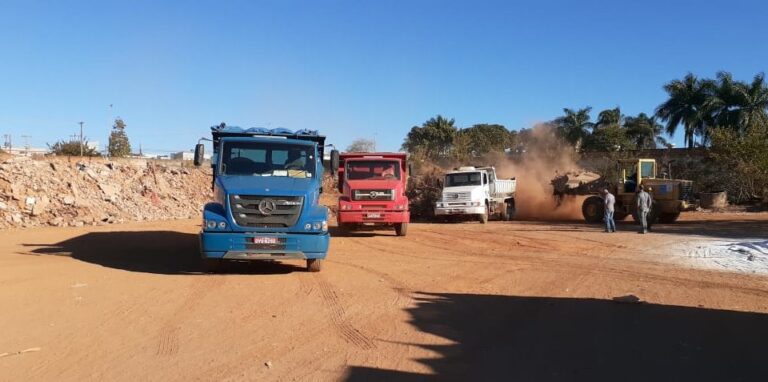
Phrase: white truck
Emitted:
{"points": [[476, 192]]}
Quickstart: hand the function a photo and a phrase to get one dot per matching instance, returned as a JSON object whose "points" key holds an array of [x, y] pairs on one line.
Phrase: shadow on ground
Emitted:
{"points": [[507, 338], [164, 252]]}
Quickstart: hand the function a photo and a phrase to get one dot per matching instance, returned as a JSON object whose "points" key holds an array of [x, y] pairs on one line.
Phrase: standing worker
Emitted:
{"points": [[643, 208], [608, 203]]}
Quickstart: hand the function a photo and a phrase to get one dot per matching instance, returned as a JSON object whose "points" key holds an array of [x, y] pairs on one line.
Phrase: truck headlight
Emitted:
{"points": [[324, 225], [475, 204], [222, 225], [307, 226], [210, 224], [399, 207]]}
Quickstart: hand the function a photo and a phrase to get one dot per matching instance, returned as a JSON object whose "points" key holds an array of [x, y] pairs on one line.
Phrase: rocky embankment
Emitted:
{"points": [[80, 191]]}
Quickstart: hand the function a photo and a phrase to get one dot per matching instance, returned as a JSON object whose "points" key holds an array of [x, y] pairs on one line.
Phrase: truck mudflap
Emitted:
{"points": [[374, 216], [255, 246]]}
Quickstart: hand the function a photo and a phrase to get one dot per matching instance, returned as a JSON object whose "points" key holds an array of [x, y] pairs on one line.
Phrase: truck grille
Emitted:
{"points": [[374, 195], [265, 211], [450, 197]]}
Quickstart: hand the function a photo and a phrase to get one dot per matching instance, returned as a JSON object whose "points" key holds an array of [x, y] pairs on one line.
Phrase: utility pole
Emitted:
{"points": [[81, 138], [8, 142]]}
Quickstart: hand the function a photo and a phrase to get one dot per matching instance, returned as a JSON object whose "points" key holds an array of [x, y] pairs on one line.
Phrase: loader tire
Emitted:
{"points": [[668, 218], [593, 209]]}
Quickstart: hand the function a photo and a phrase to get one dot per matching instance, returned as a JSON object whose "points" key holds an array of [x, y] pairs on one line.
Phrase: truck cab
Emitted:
{"points": [[476, 192], [266, 187], [372, 187]]}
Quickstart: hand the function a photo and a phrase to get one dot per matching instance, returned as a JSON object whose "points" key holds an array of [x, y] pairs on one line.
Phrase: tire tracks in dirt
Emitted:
{"points": [[168, 336], [339, 317]]}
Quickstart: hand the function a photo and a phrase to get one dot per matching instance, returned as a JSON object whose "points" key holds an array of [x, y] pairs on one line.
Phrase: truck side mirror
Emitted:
{"points": [[334, 161], [199, 154]]}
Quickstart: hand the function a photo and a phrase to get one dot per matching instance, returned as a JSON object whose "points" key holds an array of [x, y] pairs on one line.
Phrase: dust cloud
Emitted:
{"points": [[543, 157]]}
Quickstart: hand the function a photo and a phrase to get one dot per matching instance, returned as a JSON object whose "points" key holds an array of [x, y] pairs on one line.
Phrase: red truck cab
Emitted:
{"points": [[372, 187]]}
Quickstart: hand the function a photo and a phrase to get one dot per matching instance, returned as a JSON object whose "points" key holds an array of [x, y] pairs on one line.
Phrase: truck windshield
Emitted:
{"points": [[462, 179], [267, 159], [372, 170]]}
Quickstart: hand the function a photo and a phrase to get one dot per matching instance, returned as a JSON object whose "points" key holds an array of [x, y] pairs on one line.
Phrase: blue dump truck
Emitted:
{"points": [[266, 186]]}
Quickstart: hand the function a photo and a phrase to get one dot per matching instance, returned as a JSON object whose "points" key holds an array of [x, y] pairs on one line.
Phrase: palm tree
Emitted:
{"points": [[685, 106], [609, 118], [434, 138], [574, 126], [754, 110], [724, 102], [644, 131]]}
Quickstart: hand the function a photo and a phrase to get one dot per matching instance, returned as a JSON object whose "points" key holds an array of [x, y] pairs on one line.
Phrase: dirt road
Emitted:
{"points": [[506, 301]]}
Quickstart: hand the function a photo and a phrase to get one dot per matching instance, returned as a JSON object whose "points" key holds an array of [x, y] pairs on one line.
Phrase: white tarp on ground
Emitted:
{"points": [[738, 255]]}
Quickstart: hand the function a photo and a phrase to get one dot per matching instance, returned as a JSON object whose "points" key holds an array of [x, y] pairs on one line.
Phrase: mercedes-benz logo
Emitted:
{"points": [[455, 196], [267, 206], [373, 194]]}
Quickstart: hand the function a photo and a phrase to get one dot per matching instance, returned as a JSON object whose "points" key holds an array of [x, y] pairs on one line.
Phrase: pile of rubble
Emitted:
{"points": [[75, 192]]}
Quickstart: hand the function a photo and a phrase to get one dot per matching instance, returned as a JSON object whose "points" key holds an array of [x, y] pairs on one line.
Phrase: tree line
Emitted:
{"points": [[701, 106], [707, 109]]}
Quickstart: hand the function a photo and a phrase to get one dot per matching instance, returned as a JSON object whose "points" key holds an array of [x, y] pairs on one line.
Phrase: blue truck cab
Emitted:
{"points": [[266, 186]]}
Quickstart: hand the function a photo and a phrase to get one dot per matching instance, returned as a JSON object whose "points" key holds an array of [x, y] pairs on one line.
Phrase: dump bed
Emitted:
{"points": [[505, 187]]}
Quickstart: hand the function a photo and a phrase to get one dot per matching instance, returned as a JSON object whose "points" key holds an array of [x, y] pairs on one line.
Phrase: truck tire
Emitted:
{"points": [[401, 229], [593, 209], [509, 211], [314, 265], [484, 217], [668, 218], [212, 265]]}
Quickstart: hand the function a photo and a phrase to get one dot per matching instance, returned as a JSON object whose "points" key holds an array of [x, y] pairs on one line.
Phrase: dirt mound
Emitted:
{"points": [[68, 192]]}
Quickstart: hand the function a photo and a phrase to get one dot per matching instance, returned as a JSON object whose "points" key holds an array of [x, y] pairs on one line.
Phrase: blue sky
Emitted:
{"points": [[351, 68]]}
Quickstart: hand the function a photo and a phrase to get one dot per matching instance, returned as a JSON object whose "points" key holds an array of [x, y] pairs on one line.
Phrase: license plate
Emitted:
{"points": [[457, 211], [266, 240], [374, 216]]}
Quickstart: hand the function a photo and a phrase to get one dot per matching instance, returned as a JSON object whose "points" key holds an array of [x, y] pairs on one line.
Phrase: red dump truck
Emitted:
{"points": [[372, 187]]}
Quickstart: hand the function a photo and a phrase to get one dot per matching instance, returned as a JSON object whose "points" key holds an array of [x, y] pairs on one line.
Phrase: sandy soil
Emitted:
{"points": [[505, 301]]}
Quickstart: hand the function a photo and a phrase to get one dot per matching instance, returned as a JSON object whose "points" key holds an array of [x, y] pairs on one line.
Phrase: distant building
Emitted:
{"points": [[183, 155], [26, 151]]}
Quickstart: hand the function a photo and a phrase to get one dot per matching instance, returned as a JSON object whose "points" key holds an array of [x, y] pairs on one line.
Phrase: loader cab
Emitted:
{"points": [[633, 172]]}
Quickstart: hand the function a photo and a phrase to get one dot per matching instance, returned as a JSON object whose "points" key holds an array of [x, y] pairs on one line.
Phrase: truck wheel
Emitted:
{"points": [[668, 218], [314, 265], [401, 229], [212, 265], [509, 211], [484, 217], [592, 209]]}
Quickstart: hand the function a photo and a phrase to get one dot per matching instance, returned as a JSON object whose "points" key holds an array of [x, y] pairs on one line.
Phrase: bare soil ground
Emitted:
{"points": [[504, 301]]}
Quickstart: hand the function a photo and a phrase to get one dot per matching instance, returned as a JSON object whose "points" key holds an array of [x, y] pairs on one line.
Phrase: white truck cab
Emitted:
{"points": [[476, 192]]}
